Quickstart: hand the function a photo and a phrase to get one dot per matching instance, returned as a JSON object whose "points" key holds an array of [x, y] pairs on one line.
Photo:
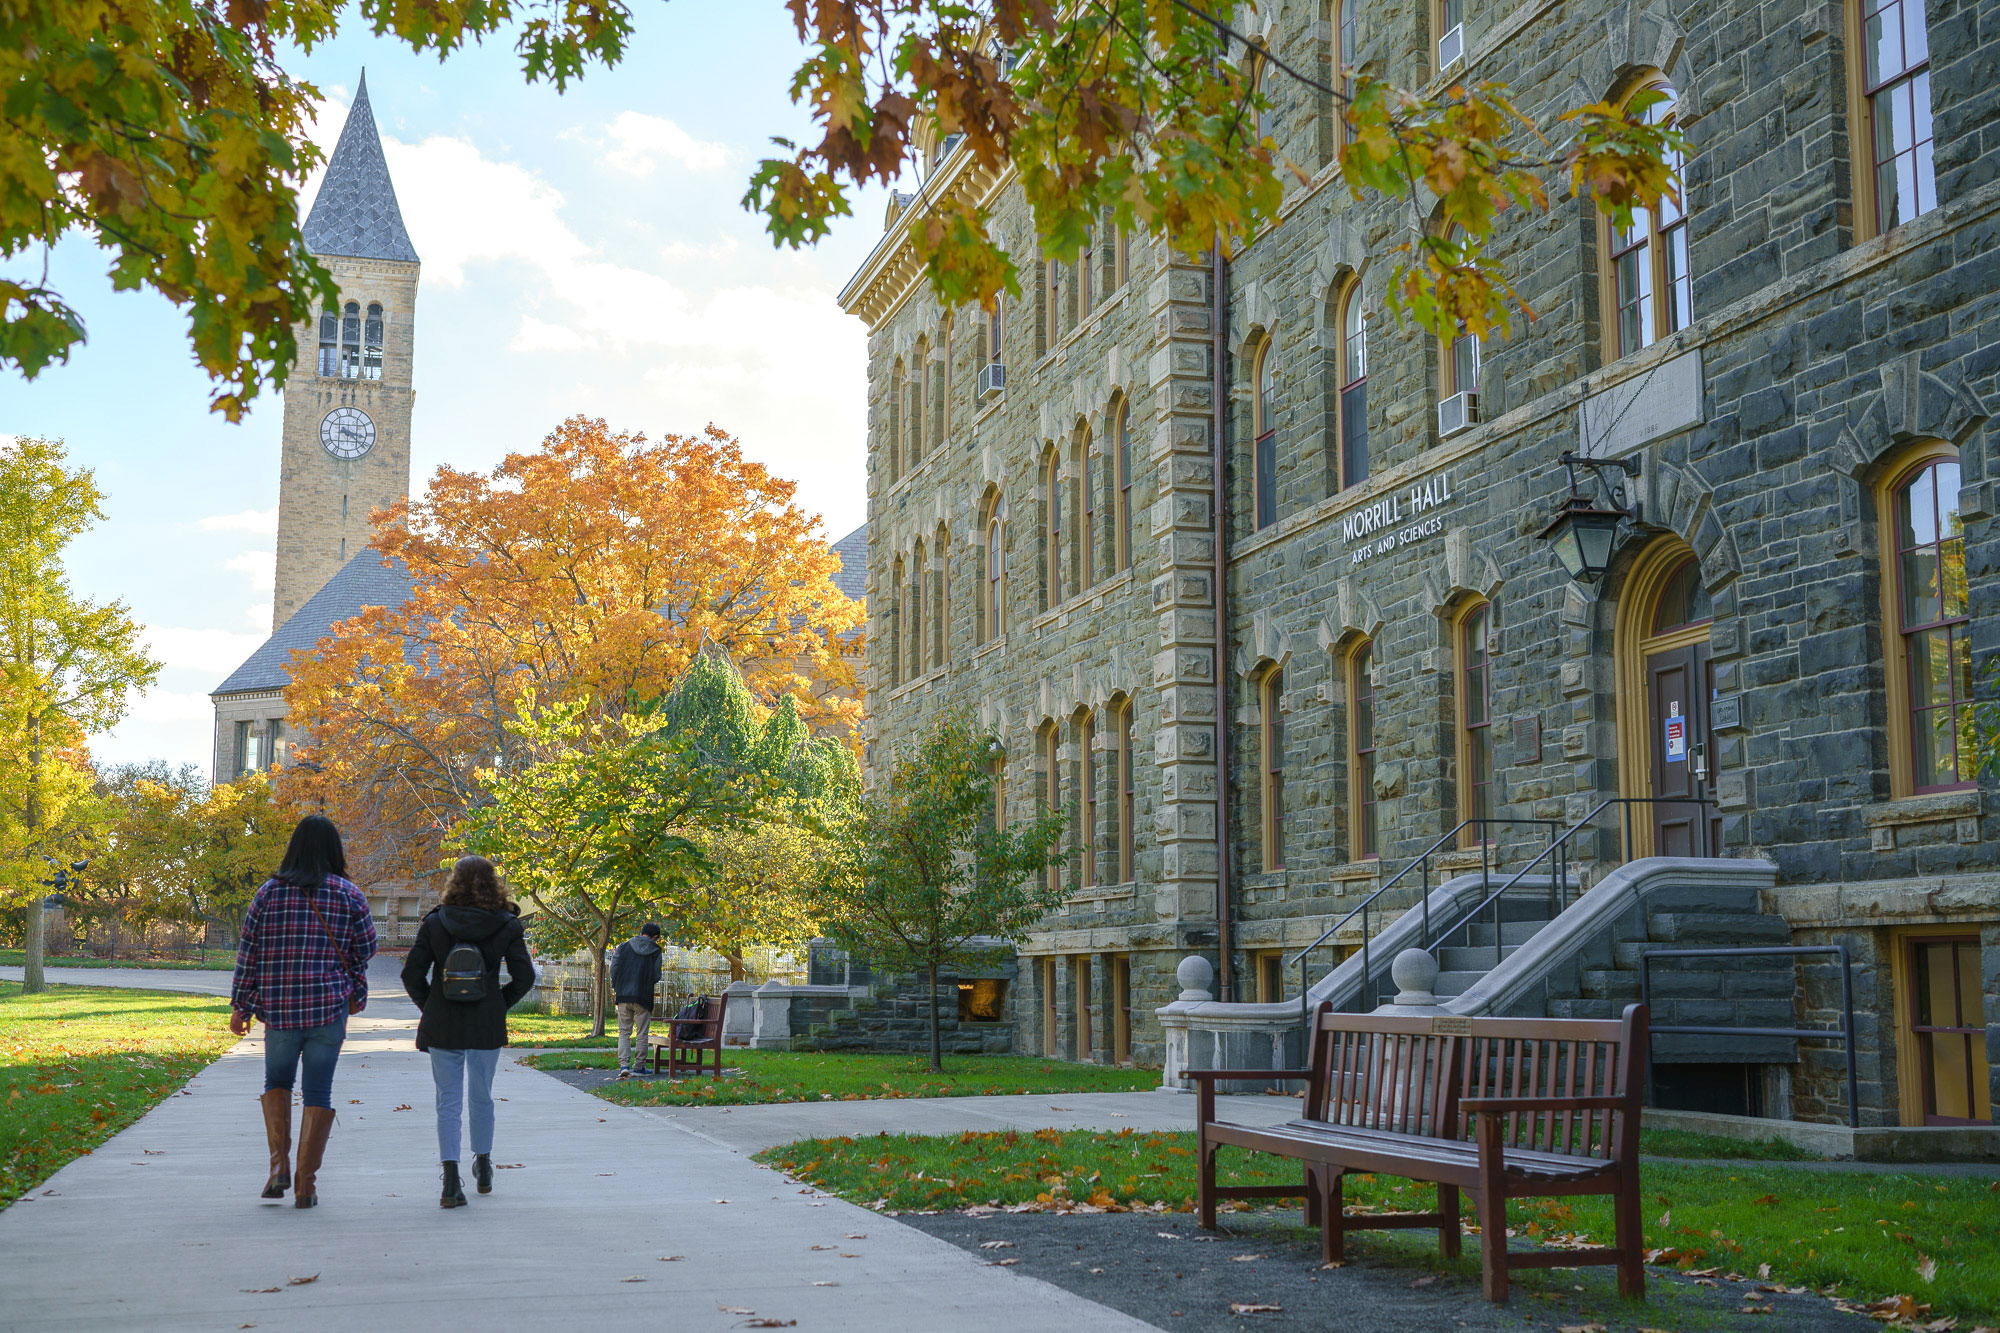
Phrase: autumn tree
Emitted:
{"points": [[68, 667], [920, 876], [170, 132], [588, 573]]}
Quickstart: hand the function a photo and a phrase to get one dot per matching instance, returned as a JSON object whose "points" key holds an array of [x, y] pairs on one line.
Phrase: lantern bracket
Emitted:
{"points": [[1614, 487]]}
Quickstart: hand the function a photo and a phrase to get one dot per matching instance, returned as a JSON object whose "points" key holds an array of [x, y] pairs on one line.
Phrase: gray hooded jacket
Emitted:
{"points": [[635, 971]]}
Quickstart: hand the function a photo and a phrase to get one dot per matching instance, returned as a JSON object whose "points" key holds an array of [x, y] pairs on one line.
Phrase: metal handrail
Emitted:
{"points": [[1845, 1032], [1422, 859]]}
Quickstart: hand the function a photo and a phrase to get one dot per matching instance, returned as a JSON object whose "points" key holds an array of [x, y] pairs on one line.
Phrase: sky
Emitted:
{"points": [[583, 252]]}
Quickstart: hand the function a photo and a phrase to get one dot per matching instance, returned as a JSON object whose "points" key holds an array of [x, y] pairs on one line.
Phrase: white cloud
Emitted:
{"points": [[635, 143], [157, 706], [261, 567], [211, 650], [263, 522]]}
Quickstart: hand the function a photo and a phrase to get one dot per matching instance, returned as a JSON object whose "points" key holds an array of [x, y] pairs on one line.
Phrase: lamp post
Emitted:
{"points": [[1583, 533]]}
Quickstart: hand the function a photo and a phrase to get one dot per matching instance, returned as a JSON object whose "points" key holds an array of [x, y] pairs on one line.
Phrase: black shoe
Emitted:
{"points": [[454, 1193], [482, 1171]]}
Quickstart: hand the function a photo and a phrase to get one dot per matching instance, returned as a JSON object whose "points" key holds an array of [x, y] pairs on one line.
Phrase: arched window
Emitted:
{"points": [[1475, 721], [1271, 764], [1048, 744], [1052, 531], [1925, 598], [894, 453], [996, 768], [1361, 752], [371, 344], [1083, 276], [1895, 179], [1648, 284], [1346, 43], [1264, 430], [993, 571], [1121, 434], [1088, 473], [329, 343], [1051, 305], [913, 636], [1353, 377], [1086, 794], [350, 341], [941, 597], [919, 413], [1125, 780], [895, 654]]}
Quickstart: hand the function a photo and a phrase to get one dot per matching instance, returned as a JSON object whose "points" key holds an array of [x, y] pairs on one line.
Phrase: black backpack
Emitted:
{"points": [[464, 973], [691, 1032]]}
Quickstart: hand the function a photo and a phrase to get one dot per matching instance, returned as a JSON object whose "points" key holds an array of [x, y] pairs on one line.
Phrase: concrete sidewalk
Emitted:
{"points": [[162, 1228], [204, 982]]}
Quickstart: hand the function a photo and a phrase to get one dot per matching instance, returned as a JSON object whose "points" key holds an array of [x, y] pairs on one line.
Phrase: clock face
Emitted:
{"points": [[347, 433]]}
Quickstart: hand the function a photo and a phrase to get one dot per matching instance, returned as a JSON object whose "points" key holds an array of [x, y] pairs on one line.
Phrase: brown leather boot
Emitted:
{"points": [[314, 1126], [278, 1133]]}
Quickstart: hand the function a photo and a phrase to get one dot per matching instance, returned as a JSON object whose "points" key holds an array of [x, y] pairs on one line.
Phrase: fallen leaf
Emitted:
{"points": [[672, 1258], [260, 1291], [1763, 1270], [722, 1201], [826, 1284], [634, 1278], [1001, 1263], [768, 1322], [301, 1281], [404, 1107], [1926, 1267], [1583, 1328], [1765, 1199], [857, 1235], [1168, 1235], [987, 1245], [1245, 1307], [735, 1309], [1244, 1258], [1667, 1218], [1425, 1281], [1334, 1263]]}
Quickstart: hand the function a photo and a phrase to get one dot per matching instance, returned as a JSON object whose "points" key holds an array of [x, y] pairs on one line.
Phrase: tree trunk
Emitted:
{"points": [[937, 1048], [600, 988], [737, 970], [32, 982]]}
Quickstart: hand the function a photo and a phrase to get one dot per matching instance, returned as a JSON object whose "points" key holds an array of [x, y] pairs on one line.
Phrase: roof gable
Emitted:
{"points": [[366, 580]]}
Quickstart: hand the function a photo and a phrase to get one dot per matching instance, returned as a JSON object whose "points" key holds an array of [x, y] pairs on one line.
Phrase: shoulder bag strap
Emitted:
{"points": [[331, 937]]}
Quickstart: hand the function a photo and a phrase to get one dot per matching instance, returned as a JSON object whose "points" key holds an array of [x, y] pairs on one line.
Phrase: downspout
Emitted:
{"points": [[1219, 391]]}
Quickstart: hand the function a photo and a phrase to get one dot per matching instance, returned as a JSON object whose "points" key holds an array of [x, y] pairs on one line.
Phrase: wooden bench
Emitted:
{"points": [[1502, 1108], [690, 1057]]}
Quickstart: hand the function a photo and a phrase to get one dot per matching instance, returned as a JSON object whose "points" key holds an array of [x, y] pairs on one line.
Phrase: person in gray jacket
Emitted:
{"points": [[635, 973]]}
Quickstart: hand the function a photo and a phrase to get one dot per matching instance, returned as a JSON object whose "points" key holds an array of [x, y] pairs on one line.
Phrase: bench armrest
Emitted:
{"points": [[1505, 1105], [1265, 1075]]}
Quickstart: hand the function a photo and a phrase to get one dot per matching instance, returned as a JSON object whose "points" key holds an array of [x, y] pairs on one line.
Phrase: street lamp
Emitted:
{"points": [[1583, 533]]}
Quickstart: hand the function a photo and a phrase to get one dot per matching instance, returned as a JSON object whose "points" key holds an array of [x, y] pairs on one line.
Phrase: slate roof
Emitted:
{"points": [[366, 580], [852, 576], [355, 213]]}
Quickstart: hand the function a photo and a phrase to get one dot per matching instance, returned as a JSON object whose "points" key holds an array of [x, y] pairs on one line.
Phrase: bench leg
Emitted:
{"points": [[1333, 1216], [1492, 1207], [1631, 1241], [1313, 1212], [1448, 1229]]}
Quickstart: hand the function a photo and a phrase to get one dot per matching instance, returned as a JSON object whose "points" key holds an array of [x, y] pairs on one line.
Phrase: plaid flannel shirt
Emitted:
{"points": [[288, 972]]}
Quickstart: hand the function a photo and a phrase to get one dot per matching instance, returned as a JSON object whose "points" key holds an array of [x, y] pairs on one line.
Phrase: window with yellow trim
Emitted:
{"points": [[1086, 796], [1475, 721], [1649, 288], [1271, 765], [1363, 837], [1351, 420], [1890, 82], [1926, 605], [1264, 431]]}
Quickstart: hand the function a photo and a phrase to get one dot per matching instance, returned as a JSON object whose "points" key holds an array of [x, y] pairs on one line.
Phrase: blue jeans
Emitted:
{"points": [[456, 1073], [318, 1048]]}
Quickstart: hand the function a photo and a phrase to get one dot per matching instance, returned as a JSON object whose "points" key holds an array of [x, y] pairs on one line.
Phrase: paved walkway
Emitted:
{"points": [[137, 978], [162, 1227]]}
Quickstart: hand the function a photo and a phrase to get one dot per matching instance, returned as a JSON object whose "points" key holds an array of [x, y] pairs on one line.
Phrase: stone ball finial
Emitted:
{"points": [[1415, 973], [1196, 974]]}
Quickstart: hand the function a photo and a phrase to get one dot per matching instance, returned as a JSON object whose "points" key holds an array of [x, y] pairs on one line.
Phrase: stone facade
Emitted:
{"points": [[1820, 361]]}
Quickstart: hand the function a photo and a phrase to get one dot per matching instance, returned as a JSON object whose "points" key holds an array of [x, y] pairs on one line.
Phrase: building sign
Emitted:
{"points": [[1401, 518], [1677, 734]]}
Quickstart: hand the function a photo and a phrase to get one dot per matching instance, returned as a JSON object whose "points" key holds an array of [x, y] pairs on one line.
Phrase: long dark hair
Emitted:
{"points": [[313, 853]]}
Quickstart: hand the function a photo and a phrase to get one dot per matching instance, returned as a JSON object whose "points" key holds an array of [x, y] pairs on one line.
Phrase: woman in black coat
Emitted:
{"points": [[453, 975]]}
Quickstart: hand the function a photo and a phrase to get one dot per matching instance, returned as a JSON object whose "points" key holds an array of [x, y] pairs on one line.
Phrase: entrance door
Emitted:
{"points": [[1679, 684]]}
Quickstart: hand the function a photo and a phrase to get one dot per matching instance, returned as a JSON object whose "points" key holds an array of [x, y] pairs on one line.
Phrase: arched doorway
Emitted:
{"points": [[1665, 685]]}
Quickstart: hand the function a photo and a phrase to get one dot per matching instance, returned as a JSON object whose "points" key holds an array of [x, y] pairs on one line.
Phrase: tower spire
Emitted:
{"points": [[355, 213]]}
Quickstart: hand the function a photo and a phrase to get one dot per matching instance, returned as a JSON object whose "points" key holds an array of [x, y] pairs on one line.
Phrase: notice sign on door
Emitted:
{"points": [[1677, 735]]}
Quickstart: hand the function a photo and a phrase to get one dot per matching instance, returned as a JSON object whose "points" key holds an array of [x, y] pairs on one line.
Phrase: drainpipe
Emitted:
{"points": [[1219, 325]]}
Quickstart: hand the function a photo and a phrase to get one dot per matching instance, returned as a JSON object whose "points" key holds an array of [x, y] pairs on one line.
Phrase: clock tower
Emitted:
{"points": [[346, 447]]}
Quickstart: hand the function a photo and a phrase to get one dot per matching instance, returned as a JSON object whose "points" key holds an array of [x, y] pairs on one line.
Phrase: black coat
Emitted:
{"points": [[453, 1025]]}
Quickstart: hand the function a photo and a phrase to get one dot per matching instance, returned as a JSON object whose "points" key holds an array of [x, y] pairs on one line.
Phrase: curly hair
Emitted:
{"points": [[474, 883]]}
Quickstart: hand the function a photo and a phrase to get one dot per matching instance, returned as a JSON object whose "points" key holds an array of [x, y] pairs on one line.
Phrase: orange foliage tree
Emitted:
{"points": [[591, 571]]}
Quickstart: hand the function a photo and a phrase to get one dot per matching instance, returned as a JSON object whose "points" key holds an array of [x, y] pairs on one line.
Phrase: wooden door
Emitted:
{"points": [[1680, 682]]}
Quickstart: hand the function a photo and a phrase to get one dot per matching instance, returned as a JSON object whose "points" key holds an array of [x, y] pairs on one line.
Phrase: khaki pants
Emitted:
{"points": [[634, 1022]]}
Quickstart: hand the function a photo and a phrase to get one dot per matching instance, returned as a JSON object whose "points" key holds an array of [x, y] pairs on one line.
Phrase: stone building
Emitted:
{"points": [[344, 453], [1786, 385]]}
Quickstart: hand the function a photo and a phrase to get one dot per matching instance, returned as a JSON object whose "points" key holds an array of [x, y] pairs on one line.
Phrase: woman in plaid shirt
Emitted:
{"points": [[302, 967]]}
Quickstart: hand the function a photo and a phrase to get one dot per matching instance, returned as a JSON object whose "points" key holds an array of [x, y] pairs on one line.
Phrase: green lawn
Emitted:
{"points": [[556, 1030], [219, 960], [79, 1063], [1861, 1237], [801, 1076], [1685, 1143]]}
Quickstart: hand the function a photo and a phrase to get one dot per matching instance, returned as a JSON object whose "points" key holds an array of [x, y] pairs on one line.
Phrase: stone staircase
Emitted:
{"points": [[895, 1016]]}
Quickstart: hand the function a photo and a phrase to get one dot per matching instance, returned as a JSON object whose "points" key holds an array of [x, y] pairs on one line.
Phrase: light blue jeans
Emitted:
{"points": [[456, 1072]]}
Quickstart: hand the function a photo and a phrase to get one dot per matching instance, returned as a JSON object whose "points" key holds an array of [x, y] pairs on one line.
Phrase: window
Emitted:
{"points": [[1895, 178], [1267, 116], [246, 748], [280, 746], [995, 323], [1049, 747], [1121, 997], [1086, 794], [1346, 42], [913, 636], [1050, 1011], [1126, 779], [896, 610], [1083, 275], [997, 766], [919, 410], [350, 341], [1930, 678], [1052, 532], [941, 384], [1461, 365], [1271, 755], [1361, 757], [993, 581], [1649, 285], [941, 597], [371, 344], [1264, 461], [1121, 426], [1087, 461], [329, 343], [894, 452], [1948, 1030], [1352, 419], [1475, 721], [1084, 1010], [1051, 305], [1270, 976], [1448, 28]]}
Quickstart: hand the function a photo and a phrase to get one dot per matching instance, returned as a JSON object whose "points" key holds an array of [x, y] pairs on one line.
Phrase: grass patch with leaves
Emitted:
{"points": [[557, 1031], [809, 1076], [80, 1063], [218, 960], [1859, 1236], [1687, 1143]]}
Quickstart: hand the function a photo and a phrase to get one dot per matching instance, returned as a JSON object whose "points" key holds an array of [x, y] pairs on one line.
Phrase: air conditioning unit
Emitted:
{"points": [[1451, 48], [1457, 413], [992, 378]]}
